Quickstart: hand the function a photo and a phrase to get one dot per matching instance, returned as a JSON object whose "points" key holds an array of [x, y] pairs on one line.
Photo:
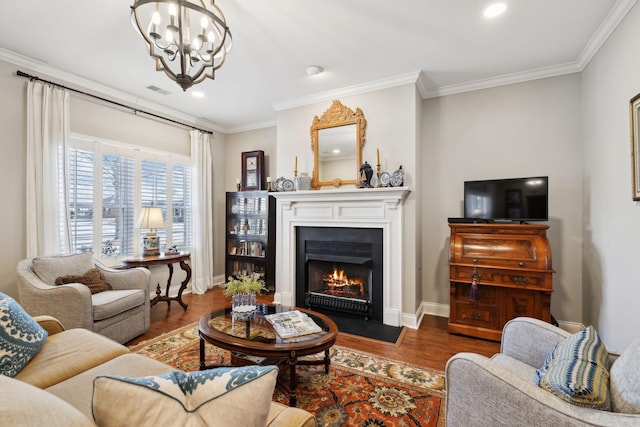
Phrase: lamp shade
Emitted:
{"points": [[150, 218]]}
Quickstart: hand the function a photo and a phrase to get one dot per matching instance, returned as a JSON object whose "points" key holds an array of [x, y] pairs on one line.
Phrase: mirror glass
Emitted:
{"points": [[336, 152], [337, 138]]}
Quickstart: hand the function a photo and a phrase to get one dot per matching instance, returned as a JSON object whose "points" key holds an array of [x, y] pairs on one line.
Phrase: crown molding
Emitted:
{"points": [[86, 85], [252, 126], [503, 80], [613, 19], [403, 79]]}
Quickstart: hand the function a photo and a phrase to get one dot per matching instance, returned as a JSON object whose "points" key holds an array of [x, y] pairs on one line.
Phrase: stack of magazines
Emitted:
{"points": [[292, 324]]}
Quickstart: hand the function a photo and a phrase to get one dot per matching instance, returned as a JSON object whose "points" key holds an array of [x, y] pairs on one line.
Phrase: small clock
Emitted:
{"points": [[385, 178], [253, 170]]}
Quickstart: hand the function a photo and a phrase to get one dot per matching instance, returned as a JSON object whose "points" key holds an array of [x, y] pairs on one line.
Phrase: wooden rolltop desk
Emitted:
{"points": [[511, 265]]}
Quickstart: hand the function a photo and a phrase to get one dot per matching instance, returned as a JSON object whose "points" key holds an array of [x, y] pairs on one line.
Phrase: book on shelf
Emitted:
{"points": [[293, 323]]}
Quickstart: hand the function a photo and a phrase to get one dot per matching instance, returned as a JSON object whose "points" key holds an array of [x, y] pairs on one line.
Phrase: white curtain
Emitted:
{"points": [[202, 203], [47, 142]]}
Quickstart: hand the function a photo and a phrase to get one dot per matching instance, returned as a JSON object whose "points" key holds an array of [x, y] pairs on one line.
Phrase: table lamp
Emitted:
{"points": [[151, 219]]}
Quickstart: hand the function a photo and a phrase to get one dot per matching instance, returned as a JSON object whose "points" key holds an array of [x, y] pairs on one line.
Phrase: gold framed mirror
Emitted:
{"points": [[337, 138]]}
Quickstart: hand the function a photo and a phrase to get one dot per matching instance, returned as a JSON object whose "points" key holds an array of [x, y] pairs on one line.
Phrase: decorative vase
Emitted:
{"points": [[243, 305], [303, 181]]}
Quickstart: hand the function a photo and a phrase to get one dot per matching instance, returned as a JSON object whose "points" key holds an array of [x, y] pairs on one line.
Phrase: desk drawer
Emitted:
{"points": [[486, 294], [472, 314], [525, 279]]}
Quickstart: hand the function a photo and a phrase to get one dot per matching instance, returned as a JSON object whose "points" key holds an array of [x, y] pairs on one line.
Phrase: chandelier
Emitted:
{"points": [[188, 40]]}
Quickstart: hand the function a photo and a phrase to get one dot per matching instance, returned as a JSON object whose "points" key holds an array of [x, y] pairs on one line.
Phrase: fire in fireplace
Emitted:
{"points": [[339, 269], [340, 285]]}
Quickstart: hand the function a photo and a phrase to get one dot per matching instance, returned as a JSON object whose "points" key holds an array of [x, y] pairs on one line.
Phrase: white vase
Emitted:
{"points": [[303, 182], [243, 305]]}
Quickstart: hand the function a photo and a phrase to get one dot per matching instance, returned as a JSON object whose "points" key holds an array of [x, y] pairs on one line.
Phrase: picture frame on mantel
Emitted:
{"points": [[253, 170], [634, 112]]}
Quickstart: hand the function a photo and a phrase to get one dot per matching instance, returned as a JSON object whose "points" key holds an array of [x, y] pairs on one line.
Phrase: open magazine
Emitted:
{"points": [[292, 324]]}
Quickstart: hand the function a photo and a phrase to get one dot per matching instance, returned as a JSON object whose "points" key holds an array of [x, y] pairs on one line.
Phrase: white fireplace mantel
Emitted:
{"points": [[361, 208]]}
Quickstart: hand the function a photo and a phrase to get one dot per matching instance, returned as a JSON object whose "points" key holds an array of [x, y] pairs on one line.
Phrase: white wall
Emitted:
{"points": [[611, 232], [237, 143], [527, 129], [12, 163]]}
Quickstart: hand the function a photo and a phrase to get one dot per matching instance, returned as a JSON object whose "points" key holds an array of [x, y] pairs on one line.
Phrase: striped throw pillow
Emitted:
{"points": [[576, 371]]}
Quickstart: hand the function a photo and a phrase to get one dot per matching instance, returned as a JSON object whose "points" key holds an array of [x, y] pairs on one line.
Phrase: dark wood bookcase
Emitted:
{"points": [[250, 235]]}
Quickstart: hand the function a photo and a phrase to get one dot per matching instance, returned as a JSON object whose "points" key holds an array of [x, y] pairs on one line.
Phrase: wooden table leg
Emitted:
{"points": [[202, 364], [184, 283], [292, 379], [169, 284]]}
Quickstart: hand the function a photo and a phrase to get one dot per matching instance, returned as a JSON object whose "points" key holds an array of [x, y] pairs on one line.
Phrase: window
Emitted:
{"points": [[108, 185]]}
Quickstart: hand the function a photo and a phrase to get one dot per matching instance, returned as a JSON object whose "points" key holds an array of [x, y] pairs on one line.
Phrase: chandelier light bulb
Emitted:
{"points": [[173, 11]]}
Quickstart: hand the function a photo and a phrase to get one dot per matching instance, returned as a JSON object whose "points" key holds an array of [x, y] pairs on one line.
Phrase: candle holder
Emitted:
{"points": [[238, 186], [378, 173]]}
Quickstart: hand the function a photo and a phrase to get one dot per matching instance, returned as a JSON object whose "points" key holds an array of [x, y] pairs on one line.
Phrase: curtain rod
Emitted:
{"points": [[135, 110]]}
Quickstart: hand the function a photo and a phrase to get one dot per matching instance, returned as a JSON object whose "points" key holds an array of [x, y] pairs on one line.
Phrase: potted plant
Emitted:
{"points": [[242, 291]]}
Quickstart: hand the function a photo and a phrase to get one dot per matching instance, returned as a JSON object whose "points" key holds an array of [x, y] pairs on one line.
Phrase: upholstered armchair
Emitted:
{"points": [[500, 391], [121, 312]]}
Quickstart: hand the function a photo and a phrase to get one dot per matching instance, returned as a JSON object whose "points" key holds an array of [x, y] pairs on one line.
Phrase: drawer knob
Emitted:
{"points": [[521, 264], [521, 280], [475, 316]]}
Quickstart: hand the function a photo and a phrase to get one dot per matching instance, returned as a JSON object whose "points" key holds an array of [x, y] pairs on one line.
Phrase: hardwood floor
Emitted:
{"points": [[431, 345]]}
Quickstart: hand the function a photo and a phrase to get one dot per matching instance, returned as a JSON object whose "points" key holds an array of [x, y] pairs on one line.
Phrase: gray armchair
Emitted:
{"points": [[120, 313], [500, 391]]}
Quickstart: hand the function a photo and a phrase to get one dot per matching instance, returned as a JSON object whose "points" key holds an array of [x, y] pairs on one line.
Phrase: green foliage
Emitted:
{"points": [[244, 284]]}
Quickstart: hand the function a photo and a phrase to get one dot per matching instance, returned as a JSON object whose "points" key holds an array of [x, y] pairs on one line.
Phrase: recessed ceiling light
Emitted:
{"points": [[314, 70], [197, 94], [495, 10]]}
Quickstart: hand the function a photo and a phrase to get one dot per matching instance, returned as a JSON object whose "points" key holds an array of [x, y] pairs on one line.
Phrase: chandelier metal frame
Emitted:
{"points": [[183, 51]]}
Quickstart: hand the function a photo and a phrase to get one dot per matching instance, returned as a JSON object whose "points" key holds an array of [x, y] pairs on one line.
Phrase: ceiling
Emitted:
{"points": [[446, 45]]}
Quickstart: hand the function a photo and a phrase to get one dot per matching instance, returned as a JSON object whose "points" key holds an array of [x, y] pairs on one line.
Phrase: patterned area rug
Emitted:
{"points": [[360, 390]]}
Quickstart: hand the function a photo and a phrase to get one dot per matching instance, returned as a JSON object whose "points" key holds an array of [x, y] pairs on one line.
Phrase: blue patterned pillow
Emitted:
{"points": [[224, 396], [20, 336], [576, 371]]}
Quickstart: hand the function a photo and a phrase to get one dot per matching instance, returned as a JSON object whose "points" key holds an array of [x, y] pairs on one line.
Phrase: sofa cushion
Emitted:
{"points": [[21, 337], [48, 268], [22, 404], [224, 396], [624, 380], [92, 279], [575, 370], [110, 303], [67, 354]]}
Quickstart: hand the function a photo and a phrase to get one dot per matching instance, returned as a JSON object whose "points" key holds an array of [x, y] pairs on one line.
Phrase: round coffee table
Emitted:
{"points": [[255, 340]]}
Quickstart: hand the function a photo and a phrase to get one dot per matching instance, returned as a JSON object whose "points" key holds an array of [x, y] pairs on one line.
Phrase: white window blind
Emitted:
{"points": [[81, 200], [117, 181]]}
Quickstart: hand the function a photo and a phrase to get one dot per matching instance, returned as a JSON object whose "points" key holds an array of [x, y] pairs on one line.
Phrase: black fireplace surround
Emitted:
{"points": [[357, 251]]}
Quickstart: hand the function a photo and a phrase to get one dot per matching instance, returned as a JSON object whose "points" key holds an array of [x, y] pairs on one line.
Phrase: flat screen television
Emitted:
{"points": [[515, 199]]}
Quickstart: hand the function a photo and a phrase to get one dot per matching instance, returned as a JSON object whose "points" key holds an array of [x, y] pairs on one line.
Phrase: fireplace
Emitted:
{"points": [[345, 208], [339, 269]]}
